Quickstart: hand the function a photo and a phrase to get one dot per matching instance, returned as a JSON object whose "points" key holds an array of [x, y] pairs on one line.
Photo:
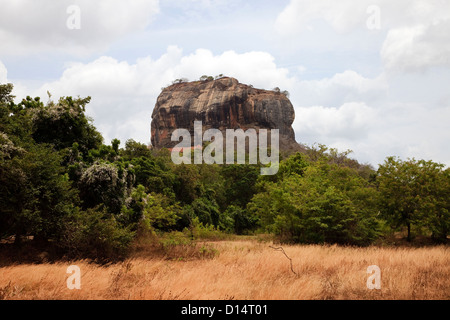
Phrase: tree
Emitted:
{"points": [[135, 149], [105, 184], [206, 78], [239, 183], [182, 80], [187, 184], [35, 194], [415, 193], [64, 123], [13, 122], [5, 93], [326, 203], [437, 206], [237, 220]]}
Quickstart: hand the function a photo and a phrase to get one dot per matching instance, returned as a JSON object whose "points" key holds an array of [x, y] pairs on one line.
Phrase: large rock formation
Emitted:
{"points": [[221, 104]]}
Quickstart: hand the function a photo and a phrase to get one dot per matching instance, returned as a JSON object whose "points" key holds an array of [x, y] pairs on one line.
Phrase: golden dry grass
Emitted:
{"points": [[244, 270]]}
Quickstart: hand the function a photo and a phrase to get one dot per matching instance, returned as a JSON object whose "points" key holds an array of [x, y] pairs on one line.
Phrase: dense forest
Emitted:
{"points": [[60, 185]]}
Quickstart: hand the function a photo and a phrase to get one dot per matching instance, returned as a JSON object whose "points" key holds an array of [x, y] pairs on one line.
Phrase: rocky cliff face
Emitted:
{"points": [[221, 104]]}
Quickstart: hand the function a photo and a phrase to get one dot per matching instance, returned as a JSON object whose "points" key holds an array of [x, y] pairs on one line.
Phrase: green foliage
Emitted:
{"points": [[415, 193], [5, 93], [200, 231], [296, 164], [13, 121], [239, 182], [206, 209], [105, 184], [207, 78], [35, 194], [187, 185], [237, 220], [63, 123], [153, 174], [95, 234], [326, 204], [150, 212], [135, 149]]}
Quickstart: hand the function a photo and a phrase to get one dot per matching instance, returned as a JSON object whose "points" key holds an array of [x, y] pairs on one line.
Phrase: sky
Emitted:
{"points": [[371, 76]]}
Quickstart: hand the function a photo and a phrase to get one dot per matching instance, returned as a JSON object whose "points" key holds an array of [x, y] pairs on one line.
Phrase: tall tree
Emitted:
{"points": [[64, 123], [415, 193], [35, 194]]}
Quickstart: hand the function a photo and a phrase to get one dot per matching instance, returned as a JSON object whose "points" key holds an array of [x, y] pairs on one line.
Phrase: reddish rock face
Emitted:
{"points": [[221, 104]]}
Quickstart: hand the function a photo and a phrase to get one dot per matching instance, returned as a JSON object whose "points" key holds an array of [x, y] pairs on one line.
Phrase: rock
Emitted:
{"points": [[221, 104]]}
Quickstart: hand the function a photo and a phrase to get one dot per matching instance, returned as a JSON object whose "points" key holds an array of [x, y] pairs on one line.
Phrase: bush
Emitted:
{"points": [[200, 231], [95, 235]]}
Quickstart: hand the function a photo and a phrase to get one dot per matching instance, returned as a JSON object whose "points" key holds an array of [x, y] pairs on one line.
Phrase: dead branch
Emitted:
{"points": [[290, 260]]}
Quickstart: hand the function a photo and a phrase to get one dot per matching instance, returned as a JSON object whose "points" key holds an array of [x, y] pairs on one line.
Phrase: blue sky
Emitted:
{"points": [[370, 76]]}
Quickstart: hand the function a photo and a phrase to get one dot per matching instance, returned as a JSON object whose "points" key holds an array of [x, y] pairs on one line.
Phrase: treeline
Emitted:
{"points": [[60, 184]]}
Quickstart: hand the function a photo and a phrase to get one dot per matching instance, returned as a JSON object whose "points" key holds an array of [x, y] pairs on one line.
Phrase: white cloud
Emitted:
{"points": [[373, 133], [3, 74], [29, 26], [351, 121], [347, 15], [417, 48], [342, 15], [344, 87], [417, 32]]}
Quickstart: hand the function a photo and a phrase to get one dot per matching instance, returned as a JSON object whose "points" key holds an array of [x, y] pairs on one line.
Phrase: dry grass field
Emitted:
{"points": [[242, 270]]}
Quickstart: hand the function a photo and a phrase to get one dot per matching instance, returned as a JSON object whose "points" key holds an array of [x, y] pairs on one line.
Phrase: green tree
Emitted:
{"points": [[63, 123], [154, 175], [326, 203], [187, 184], [135, 149], [206, 209], [35, 193], [437, 205], [13, 120], [239, 183], [105, 184], [415, 193], [5, 93], [237, 220]]}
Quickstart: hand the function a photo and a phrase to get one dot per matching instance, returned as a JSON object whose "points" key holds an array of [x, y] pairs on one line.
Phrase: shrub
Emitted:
{"points": [[95, 234]]}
